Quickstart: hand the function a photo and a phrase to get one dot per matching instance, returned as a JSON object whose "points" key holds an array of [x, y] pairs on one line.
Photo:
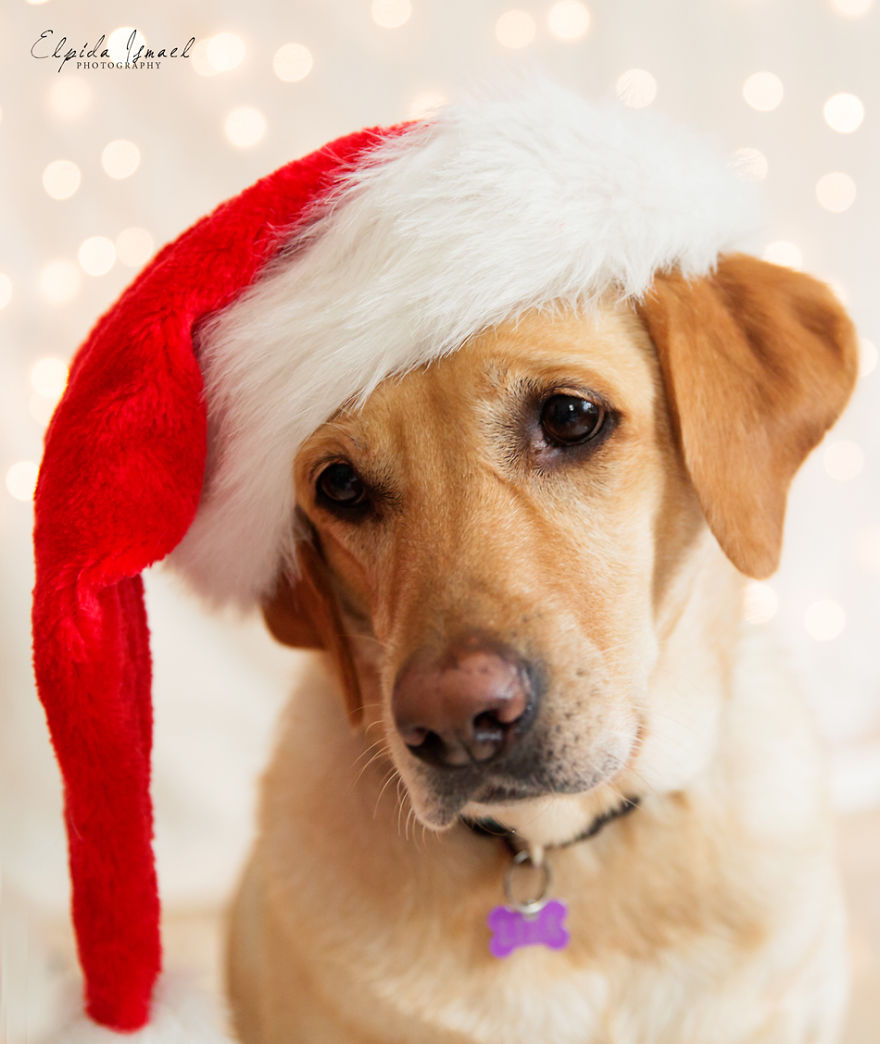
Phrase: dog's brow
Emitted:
{"points": [[337, 427], [333, 437]]}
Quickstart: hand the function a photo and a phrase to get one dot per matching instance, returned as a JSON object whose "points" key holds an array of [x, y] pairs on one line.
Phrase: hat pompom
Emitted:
{"points": [[181, 1013]]}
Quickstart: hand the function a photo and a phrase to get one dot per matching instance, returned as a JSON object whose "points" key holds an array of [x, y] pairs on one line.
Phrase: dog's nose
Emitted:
{"points": [[468, 704]]}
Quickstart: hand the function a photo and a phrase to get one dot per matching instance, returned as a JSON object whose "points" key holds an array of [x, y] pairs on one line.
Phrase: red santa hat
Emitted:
{"points": [[184, 408]]}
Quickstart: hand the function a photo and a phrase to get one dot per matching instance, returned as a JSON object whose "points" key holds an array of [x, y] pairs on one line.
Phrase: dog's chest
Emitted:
{"points": [[416, 956], [442, 994]]}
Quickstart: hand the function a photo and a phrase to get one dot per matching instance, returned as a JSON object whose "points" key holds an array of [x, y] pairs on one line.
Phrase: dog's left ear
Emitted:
{"points": [[301, 612], [758, 362]]}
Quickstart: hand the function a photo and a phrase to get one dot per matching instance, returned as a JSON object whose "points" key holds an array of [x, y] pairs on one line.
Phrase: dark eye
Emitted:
{"points": [[341, 485], [568, 420]]}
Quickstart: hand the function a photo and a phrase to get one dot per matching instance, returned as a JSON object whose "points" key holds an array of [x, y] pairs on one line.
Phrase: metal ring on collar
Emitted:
{"points": [[530, 906]]}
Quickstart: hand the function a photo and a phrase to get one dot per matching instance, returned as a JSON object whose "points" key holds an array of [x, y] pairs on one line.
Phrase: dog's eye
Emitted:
{"points": [[342, 486], [568, 420]]}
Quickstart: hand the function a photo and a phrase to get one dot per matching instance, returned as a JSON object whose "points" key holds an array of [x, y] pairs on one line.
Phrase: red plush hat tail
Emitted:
{"points": [[119, 486], [93, 671]]}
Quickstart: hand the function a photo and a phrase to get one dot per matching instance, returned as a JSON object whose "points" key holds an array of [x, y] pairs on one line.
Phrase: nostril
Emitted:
{"points": [[413, 735], [488, 727], [436, 750]]}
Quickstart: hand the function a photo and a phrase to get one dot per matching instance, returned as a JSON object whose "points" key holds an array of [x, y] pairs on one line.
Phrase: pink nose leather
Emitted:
{"points": [[463, 705]]}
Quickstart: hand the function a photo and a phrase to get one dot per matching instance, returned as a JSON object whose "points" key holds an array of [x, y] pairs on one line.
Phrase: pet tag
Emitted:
{"points": [[538, 922]]}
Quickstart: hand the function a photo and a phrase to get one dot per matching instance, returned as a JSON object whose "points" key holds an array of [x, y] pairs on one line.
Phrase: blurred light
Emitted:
{"points": [[763, 91], [225, 51], [21, 479], [245, 126], [839, 290], [41, 409], [424, 103], [198, 56], [117, 43], [866, 548], [843, 460], [515, 29], [35, 3], [569, 19], [120, 158], [69, 96], [761, 602], [751, 163], [851, 8], [59, 281], [844, 113], [61, 179], [824, 620], [836, 191], [134, 247], [5, 290], [781, 252], [292, 62], [867, 358], [49, 377], [96, 255], [391, 14], [636, 88]]}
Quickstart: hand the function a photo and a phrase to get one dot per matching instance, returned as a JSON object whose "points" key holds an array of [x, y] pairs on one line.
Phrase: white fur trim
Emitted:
{"points": [[493, 207], [181, 1014]]}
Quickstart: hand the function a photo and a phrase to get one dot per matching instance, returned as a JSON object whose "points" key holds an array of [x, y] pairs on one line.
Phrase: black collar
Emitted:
{"points": [[487, 827]]}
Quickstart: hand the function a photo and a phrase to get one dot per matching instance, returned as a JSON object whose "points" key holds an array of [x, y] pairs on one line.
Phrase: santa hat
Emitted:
{"points": [[185, 407]]}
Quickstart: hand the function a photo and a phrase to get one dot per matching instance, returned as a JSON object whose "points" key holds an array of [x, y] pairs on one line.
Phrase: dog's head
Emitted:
{"points": [[497, 547]]}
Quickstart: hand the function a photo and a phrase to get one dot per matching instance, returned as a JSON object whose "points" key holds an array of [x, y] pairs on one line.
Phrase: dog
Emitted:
{"points": [[487, 411], [521, 570]]}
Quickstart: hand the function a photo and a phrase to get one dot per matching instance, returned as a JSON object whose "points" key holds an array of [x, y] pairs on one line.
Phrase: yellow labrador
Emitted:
{"points": [[525, 564]]}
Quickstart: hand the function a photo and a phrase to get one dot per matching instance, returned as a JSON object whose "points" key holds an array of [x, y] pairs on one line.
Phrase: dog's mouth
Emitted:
{"points": [[440, 801], [440, 796]]}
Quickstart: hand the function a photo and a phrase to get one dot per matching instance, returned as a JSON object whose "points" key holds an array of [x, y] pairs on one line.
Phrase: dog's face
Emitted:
{"points": [[499, 543], [510, 531]]}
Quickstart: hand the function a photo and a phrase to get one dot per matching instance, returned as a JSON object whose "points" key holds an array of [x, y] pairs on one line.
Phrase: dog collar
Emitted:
{"points": [[540, 920], [485, 826]]}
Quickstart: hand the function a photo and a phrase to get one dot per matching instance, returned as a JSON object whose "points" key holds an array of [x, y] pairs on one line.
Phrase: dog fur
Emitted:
{"points": [[710, 915]]}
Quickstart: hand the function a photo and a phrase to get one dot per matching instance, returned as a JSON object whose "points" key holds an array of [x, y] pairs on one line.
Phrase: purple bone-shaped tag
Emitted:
{"points": [[512, 929]]}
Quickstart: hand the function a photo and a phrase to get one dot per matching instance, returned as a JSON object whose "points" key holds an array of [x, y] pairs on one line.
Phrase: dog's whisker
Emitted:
{"points": [[365, 759], [372, 746], [368, 750], [649, 787], [385, 752], [399, 804], [389, 778], [372, 725]]}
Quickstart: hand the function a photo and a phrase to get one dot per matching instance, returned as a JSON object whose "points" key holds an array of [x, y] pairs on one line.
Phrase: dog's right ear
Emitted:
{"points": [[301, 612], [758, 362], [297, 606]]}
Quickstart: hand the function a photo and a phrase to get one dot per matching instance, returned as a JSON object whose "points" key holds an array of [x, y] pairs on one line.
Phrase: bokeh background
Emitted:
{"points": [[101, 166]]}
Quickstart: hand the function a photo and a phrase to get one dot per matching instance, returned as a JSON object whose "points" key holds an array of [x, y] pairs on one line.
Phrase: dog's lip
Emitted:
{"points": [[443, 809], [503, 788], [503, 793]]}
